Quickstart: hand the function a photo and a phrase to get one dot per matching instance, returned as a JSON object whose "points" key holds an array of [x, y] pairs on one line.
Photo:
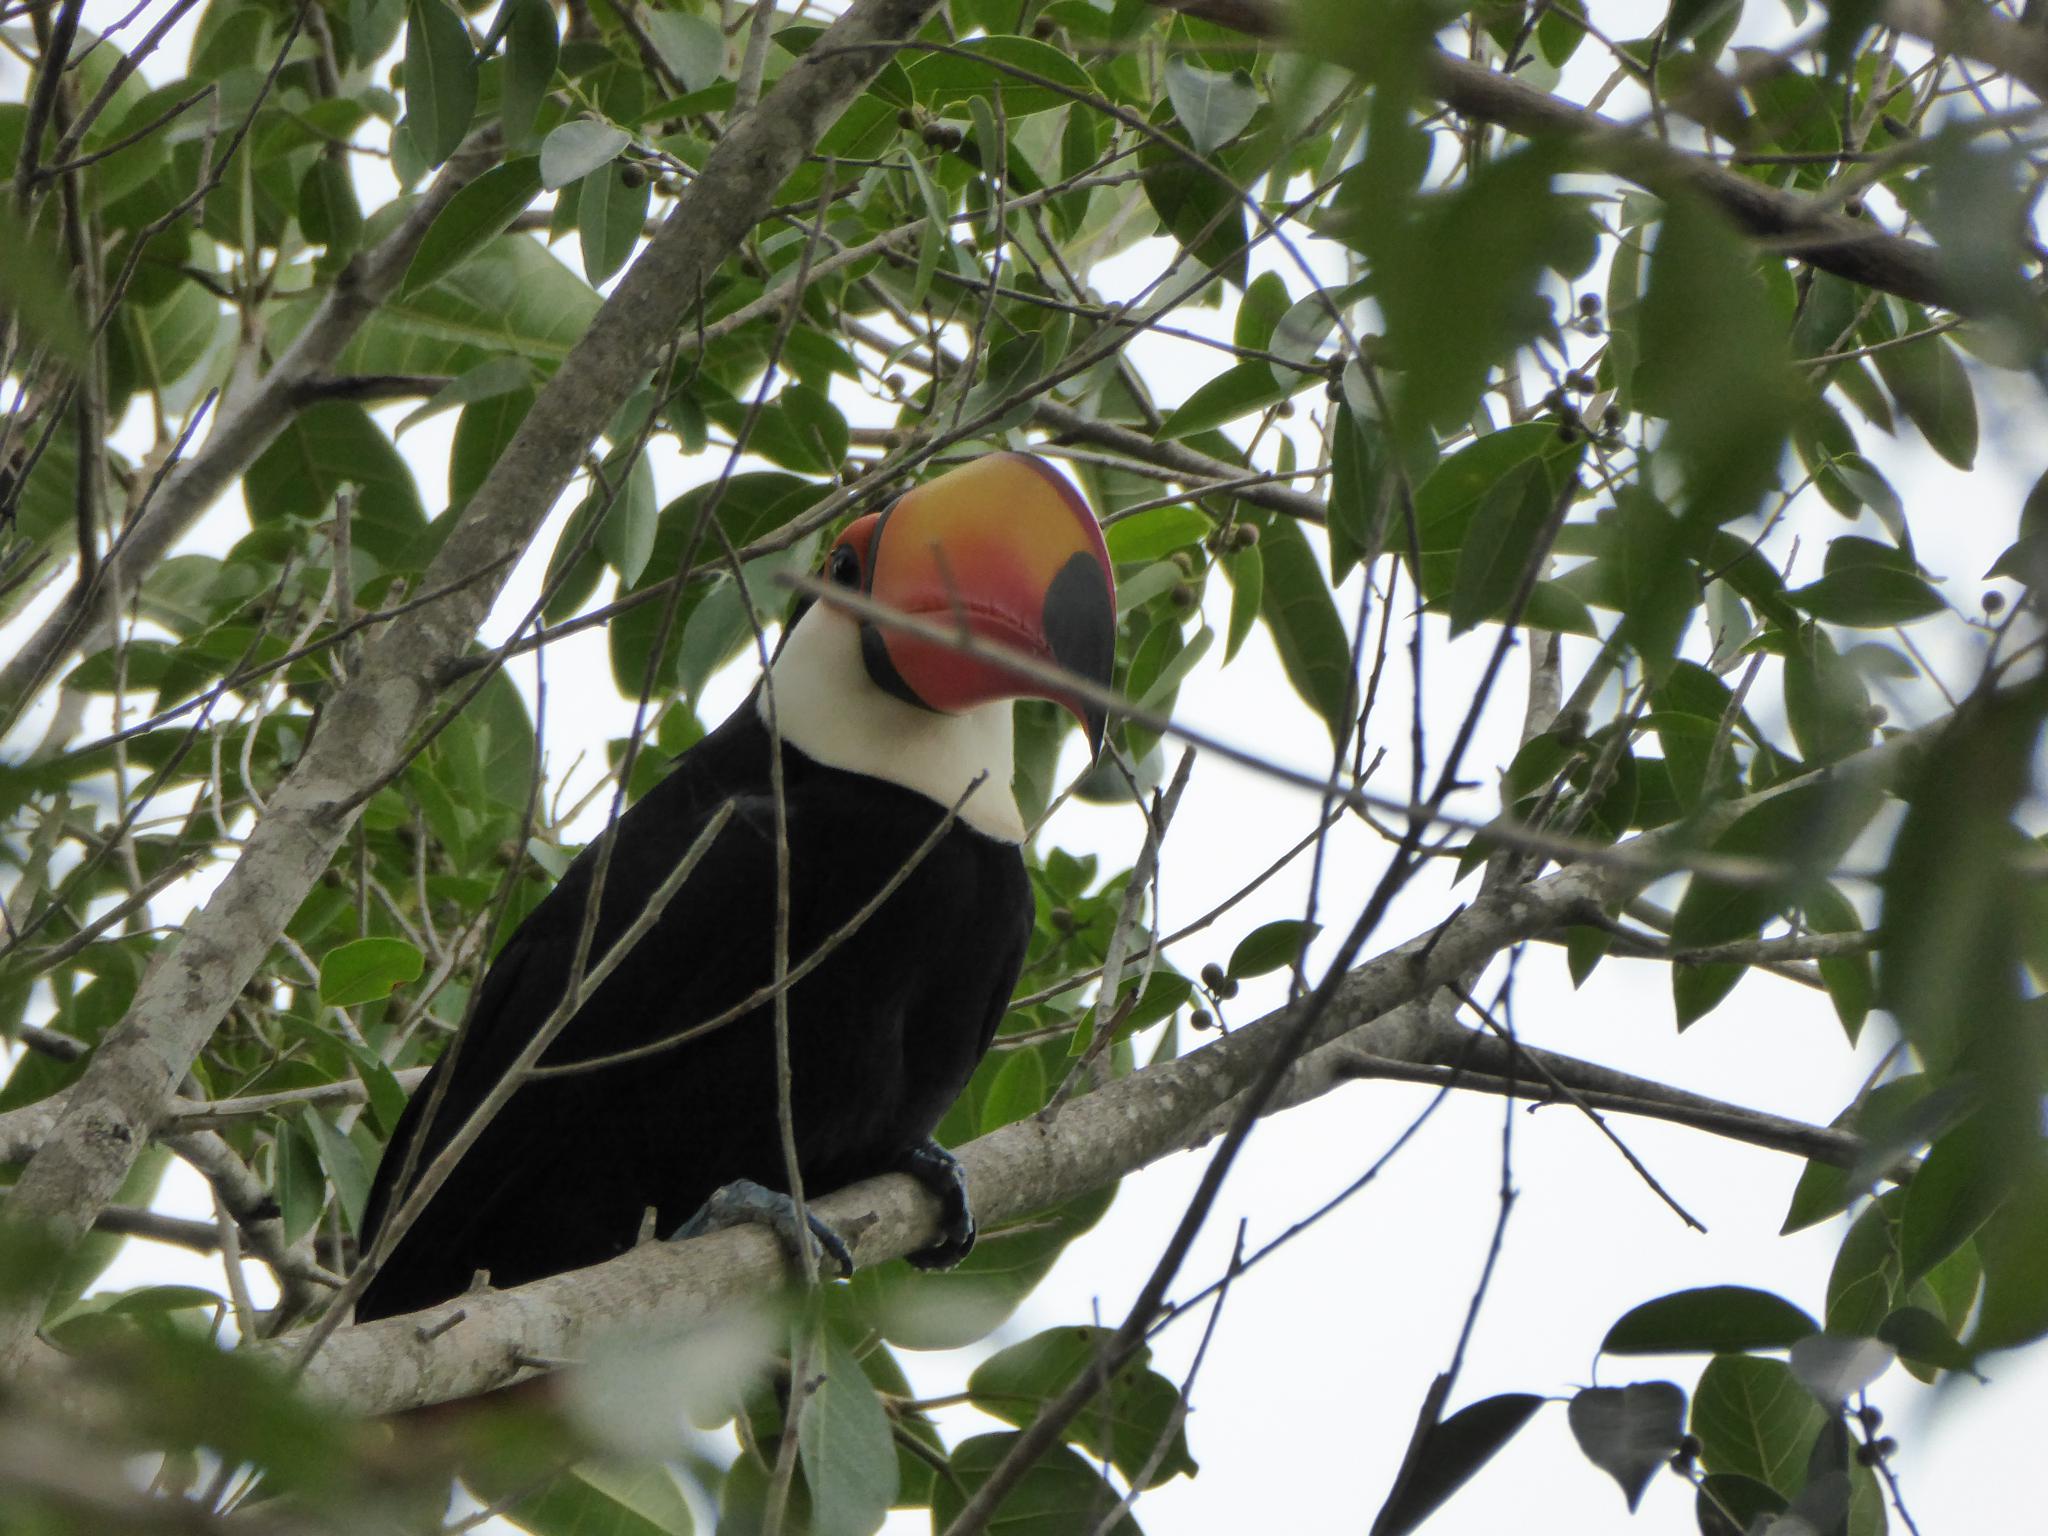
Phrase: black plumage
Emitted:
{"points": [[883, 1035]]}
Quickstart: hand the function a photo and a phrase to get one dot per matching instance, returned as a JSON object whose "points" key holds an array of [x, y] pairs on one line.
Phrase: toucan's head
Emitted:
{"points": [[1007, 547]]}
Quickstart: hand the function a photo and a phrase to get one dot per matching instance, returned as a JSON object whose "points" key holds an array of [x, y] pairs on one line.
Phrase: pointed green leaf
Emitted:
{"points": [[1246, 571], [575, 149], [1236, 392], [1500, 546], [1302, 615], [1156, 533], [533, 43], [1754, 1419], [1713, 1319], [1629, 1432], [367, 970], [1452, 1451], [1270, 946], [1214, 107], [474, 217], [843, 1438], [611, 209], [440, 78]]}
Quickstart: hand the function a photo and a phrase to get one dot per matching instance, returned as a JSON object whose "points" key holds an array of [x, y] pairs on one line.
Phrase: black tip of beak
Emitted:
{"points": [[1080, 629], [1097, 723]]}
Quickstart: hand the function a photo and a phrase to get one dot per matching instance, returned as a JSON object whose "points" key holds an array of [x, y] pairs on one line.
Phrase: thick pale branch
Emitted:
{"points": [[398, 1363], [1794, 224], [243, 429], [364, 730]]}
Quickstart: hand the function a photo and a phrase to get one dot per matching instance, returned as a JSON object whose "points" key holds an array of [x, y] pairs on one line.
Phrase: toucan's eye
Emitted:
{"points": [[843, 569]]}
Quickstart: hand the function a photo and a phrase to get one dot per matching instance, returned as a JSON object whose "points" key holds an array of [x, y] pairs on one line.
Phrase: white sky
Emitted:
{"points": [[1306, 1401]]}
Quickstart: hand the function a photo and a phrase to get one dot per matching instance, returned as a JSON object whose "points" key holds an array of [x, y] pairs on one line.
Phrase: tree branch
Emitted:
{"points": [[1796, 225], [238, 436], [1379, 1015], [131, 1085]]}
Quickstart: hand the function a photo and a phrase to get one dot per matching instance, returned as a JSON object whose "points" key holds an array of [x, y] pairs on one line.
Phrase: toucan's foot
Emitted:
{"points": [[745, 1203], [940, 1172]]}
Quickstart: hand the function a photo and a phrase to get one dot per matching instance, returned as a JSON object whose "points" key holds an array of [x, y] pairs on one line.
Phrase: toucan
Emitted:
{"points": [[888, 739]]}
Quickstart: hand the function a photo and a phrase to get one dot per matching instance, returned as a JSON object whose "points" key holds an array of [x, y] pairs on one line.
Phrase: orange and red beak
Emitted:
{"points": [[1007, 547]]}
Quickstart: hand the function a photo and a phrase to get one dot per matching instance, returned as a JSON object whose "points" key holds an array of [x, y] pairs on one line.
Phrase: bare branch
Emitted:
{"points": [[133, 1079]]}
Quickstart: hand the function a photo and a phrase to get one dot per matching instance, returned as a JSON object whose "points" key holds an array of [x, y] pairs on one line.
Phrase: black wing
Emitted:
{"points": [[884, 1033]]}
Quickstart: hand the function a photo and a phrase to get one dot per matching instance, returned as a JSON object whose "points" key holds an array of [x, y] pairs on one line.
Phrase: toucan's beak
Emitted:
{"points": [[1008, 547]]}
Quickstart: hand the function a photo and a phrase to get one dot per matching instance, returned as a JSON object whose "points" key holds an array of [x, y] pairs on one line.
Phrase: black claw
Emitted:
{"points": [[940, 1172], [744, 1202]]}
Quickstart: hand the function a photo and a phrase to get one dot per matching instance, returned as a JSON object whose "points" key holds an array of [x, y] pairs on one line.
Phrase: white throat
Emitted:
{"points": [[828, 708]]}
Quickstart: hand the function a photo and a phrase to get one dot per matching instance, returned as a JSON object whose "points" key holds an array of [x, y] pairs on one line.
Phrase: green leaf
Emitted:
{"points": [[1949, 960], [982, 67], [34, 286], [1301, 331], [1730, 1504], [486, 381], [482, 432], [1835, 1367], [345, 1167], [1629, 1432], [1720, 911], [849, 1458], [1458, 283], [1448, 500], [1965, 1175], [1500, 547], [1236, 392], [1918, 1335], [1059, 1495], [575, 149], [1824, 1188], [945, 1309], [440, 78], [594, 1499], [1754, 1419], [1863, 1283], [473, 218], [1712, 1319], [611, 209], [301, 1186], [1868, 597], [1698, 989], [1302, 616], [1688, 18], [1927, 379], [691, 46], [1246, 571], [626, 536], [1270, 946], [512, 296], [803, 430], [1658, 591], [324, 447], [1825, 701], [1019, 1089], [1204, 214], [1156, 533], [1714, 363], [328, 211], [1452, 1450], [2014, 1245], [533, 44], [367, 970], [1358, 455], [1259, 311], [1124, 1426], [1214, 107]]}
